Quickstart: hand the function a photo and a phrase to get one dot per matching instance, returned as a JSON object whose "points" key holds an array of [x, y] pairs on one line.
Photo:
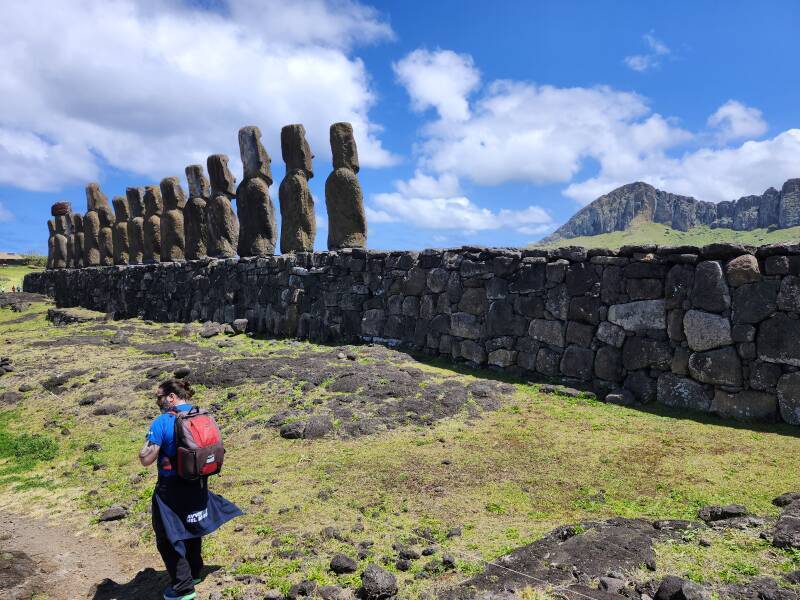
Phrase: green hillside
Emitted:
{"points": [[656, 233]]}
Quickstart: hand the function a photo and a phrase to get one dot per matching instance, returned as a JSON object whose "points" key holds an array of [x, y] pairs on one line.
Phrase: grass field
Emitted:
{"points": [[13, 275], [505, 477], [656, 233]]}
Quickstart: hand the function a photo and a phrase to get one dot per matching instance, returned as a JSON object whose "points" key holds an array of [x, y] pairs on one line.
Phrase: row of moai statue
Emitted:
{"points": [[157, 223]]}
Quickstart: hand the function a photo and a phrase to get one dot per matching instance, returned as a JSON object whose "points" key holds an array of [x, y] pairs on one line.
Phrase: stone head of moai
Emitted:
{"points": [[222, 180], [343, 147], [77, 222], [255, 160], [199, 186], [172, 194], [95, 198], [61, 225], [121, 208], [295, 150], [153, 204], [106, 216], [135, 198]]}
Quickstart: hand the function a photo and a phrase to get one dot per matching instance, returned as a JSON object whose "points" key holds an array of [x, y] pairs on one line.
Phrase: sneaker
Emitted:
{"points": [[169, 594], [196, 580]]}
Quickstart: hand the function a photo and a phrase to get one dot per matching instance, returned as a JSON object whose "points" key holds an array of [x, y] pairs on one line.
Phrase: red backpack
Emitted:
{"points": [[199, 444]]}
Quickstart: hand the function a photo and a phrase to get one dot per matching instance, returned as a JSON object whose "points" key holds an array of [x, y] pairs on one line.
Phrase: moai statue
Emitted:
{"points": [[122, 246], [223, 227], [95, 201], [135, 198], [258, 231], [64, 209], [172, 238], [151, 252], [106, 237], [77, 228], [51, 240], [298, 223], [195, 227], [347, 222], [60, 254]]}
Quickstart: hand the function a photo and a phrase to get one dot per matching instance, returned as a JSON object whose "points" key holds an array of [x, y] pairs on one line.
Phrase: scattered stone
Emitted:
{"points": [[182, 372], [114, 513], [341, 564], [377, 583], [717, 513]]}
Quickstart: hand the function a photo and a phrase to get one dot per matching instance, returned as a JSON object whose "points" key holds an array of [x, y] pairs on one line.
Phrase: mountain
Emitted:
{"points": [[640, 202]]}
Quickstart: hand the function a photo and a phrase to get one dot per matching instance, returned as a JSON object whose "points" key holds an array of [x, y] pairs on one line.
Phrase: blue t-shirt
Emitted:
{"points": [[162, 432]]}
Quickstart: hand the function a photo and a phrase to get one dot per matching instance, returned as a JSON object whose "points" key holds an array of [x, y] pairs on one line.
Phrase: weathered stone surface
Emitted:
{"points": [[639, 316], [764, 375], [611, 334], [581, 278], [721, 366], [549, 332], [710, 292], [135, 199], [789, 294], [705, 331], [557, 302], [789, 397], [579, 334], [122, 249], [222, 180], [153, 207], [221, 221], [754, 302], [641, 385], [255, 161], [777, 340], [743, 269], [640, 353], [680, 392], [608, 364], [173, 241], [377, 583], [547, 361], [466, 325], [60, 245], [577, 362], [747, 405], [678, 285], [258, 229], [584, 308], [199, 186], [347, 221], [298, 223]]}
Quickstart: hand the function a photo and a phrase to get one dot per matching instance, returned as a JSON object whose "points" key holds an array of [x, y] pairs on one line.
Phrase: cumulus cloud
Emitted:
{"points": [[541, 134], [651, 59], [734, 120], [5, 214], [151, 87]]}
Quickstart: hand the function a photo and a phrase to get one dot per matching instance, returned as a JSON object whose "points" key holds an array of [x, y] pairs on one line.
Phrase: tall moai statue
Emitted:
{"points": [[298, 223], [195, 227], [347, 222], [106, 237], [151, 252], [64, 209], [258, 230], [60, 212], [223, 226], [77, 250], [51, 240], [135, 198], [172, 237], [122, 246], [95, 201]]}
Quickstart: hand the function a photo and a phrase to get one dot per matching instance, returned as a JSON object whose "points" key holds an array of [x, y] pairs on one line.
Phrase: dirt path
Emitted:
{"points": [[44, 560]]}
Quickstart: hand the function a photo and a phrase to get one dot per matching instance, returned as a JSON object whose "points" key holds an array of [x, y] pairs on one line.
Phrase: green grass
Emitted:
{"points": [[12, 275], [656, 233], [540, 461]]}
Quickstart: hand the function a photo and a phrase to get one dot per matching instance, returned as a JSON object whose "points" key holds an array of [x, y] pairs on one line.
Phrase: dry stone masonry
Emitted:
{"points": [[710, 329]]}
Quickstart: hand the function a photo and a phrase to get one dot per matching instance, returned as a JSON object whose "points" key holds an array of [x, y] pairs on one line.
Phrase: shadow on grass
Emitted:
{"points": [[148, 584]]}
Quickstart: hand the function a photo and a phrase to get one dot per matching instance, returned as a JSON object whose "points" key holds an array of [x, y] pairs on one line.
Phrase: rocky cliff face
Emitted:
{"points": [[616, 211]]}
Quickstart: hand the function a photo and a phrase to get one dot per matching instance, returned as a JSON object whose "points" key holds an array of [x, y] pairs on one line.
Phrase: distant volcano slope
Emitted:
{"points": [[640, 202]]}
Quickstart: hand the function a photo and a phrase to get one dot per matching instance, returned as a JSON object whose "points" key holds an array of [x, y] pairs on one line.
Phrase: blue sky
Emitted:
{"points": [[477, 123]]}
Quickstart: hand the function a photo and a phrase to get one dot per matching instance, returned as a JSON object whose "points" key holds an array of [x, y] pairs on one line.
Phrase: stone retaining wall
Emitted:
{"points": [[715, 329]]}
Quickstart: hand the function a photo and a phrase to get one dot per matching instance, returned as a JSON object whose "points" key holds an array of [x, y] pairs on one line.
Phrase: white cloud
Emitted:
{"points": [[151, 87], [440, 79], [5, 214], [735, 121], [651, 59]]}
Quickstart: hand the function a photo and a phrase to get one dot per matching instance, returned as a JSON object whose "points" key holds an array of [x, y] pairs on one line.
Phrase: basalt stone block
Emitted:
{"points": [[721, 367], [136, 210], [497, 288], [372, 322], [121, 241], [579, 334], [106, 235], [556, 270], [612, 286], [502, 358], [347, 221], [642, 386], [584, 308], [639, 316], [705, 331], [577, 362], [557, 302], [530, 278], [529, 306], [466, 325], [547, 361], [680, 392], [473, 301], [640, 353], [473, 352], [743, 269], [173, 241], [437, 280], [645, 289], [581, 278], [611, 334], [789, 397], [754, 302], [678, 284], [747, 405], [776, 265], [153, 207], [789, 294], [675, 325], [501, 320], [743, 332], [549, 332], [777, 340], [710, 292], [680, 361], [608, 364], [764, 375]]}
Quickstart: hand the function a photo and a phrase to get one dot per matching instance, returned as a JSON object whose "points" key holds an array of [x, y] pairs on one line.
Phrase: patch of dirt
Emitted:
{"points": [[20, 320], [9, 299], [73, 340]]}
